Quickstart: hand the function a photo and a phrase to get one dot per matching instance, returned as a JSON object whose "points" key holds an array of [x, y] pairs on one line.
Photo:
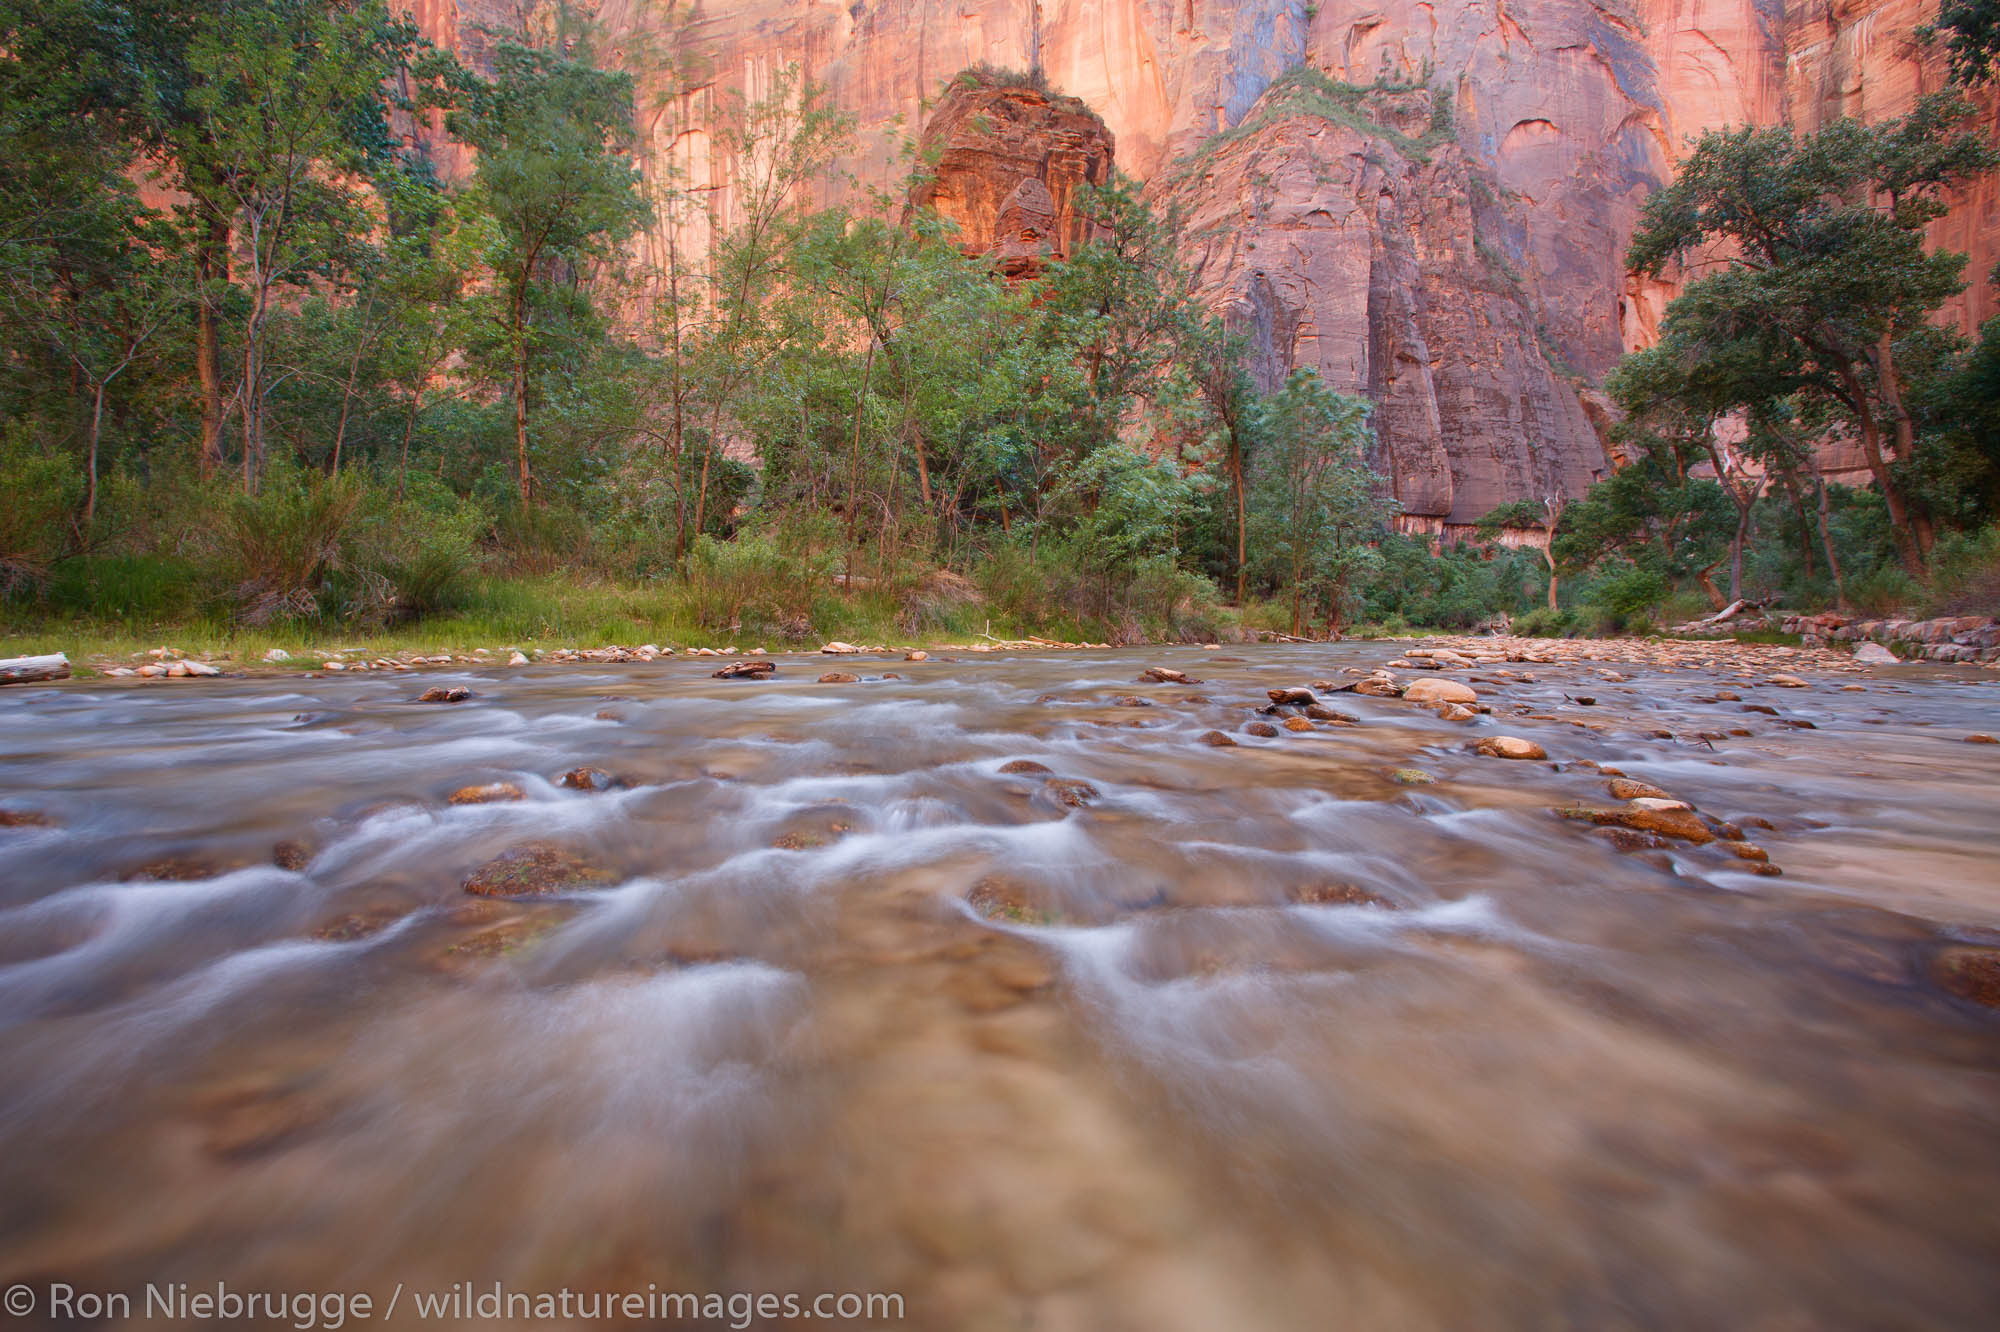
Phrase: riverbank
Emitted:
{"points": [[257, 654]]}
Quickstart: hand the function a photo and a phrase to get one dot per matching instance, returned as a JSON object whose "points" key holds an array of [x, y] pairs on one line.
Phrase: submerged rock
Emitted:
{"points": [[1215, 740], [491, 793], [1336, 893], [585, 779], [25, 818], [839, 677], [746, 670], [1261, 729], [1028, 766], [291, 854], [1667, 818], [1630, 788], [1970, 972], [1411, 777], [533, 870], [442, 694], [1069, 792]]}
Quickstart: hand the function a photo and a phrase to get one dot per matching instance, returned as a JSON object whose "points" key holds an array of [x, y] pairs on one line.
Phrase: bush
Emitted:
{"points": [[285, 540], [1545, 623], [937, 600], [752, 585], [415, 557], [39, 493], [1965, 577]]}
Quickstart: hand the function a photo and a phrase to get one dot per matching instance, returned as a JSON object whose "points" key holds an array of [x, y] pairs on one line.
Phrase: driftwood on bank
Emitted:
{"points": [[29, 670]]}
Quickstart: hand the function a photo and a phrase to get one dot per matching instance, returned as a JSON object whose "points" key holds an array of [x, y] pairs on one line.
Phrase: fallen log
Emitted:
{"points": [[30, 670]]}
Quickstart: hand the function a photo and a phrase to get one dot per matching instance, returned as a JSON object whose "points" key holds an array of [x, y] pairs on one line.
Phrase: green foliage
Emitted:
{"points": [[1458, 588], [1305, 91], [1317, 505], [1971, 29], [39, 490], [283, 542], [1816, 316]]}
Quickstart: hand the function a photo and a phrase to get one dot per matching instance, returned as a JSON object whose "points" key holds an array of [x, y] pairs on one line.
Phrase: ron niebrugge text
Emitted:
{"points": [[312, 1310]]}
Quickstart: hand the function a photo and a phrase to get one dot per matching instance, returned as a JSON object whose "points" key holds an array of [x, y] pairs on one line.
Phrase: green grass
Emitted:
{"points": [[549, 611]]}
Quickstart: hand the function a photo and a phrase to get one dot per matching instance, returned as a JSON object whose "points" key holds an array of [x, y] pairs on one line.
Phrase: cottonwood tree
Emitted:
{"points": [[284, 114], [1826, 269], [1318, 506], [556, 176], [88, 276]]}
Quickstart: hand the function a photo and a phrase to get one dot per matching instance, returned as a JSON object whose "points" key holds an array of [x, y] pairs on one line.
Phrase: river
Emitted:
{"points": [[1254, 1036]]}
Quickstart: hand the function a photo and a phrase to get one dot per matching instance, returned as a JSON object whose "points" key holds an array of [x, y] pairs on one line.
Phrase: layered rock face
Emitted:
{"points": [[1353, 243], [1010, 160], [1465, 271]]}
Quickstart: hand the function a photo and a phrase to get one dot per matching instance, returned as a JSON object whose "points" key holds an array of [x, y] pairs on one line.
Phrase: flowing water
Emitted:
{"points": [[1256, 1037]]}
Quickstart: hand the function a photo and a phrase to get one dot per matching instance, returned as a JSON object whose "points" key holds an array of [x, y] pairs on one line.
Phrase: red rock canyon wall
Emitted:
{"points": [[1465, 273]]}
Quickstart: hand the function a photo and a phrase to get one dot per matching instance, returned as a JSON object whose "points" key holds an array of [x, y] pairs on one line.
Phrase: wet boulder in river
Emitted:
{"points": [[1436, 689], [1510, 747]]}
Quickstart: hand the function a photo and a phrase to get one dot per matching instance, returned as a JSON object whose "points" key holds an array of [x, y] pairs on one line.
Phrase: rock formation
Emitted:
{"points": [[1441, 223], [1009, 161]]}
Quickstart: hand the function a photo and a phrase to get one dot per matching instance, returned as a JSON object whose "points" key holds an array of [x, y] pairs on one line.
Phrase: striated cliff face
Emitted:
{"points": [[1445, 232], [1354, 244]]}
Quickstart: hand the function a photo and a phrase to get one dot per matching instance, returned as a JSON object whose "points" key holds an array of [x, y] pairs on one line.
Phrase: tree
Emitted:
{"points": [[1825, 267], [272, 114], [556, 177], [1318, 504], [782, 142], [1972, 37], [86, 269]]}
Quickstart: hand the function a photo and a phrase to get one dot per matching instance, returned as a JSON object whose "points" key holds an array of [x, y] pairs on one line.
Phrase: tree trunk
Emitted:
{"points": [[96, 431], [30, 670], [1707, 585], [517, 317], [854, 464], [1871, 448], [347, 390], [1826, 541], [1791, 483], [1736, 552], [1549, 558], [409, 425], [211, 264], [1242, 545]]}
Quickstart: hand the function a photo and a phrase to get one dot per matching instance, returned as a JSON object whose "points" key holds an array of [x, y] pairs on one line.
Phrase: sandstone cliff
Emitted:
{"points": [[1467, 274], [1009, 161]]}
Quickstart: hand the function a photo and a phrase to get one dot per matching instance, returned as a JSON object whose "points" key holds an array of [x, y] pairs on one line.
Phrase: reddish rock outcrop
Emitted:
{"points": [[1010, 159]]}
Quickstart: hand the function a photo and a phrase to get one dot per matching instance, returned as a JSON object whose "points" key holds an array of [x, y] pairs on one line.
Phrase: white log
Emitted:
{"points": [[28, 670]]}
